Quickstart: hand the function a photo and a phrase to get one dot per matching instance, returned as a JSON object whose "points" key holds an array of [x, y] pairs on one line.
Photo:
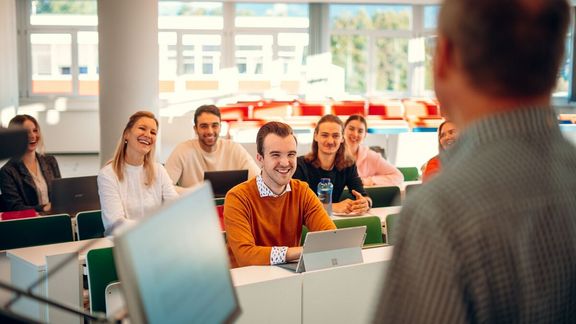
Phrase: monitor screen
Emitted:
{"points": [[174, 267], [222, 181]]}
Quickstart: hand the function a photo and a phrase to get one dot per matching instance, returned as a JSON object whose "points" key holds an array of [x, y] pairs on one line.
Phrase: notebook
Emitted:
{"points": [[174, 267], [222, 181], [73, 195], [328, 249]]}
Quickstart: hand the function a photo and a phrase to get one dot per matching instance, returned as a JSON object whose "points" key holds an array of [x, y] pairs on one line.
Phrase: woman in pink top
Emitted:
{"points": [[372, 167]]}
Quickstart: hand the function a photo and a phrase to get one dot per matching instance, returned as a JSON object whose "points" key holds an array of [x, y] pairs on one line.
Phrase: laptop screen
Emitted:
{"points": [[222, 181], [72, 195], [174, 266]]}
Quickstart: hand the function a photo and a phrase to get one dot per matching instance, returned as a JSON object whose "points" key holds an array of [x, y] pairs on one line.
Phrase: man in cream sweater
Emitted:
{"points": [[190, 159]]}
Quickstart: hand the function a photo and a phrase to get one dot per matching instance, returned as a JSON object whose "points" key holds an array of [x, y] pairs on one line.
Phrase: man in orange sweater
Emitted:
{"points": [[264, 215]]}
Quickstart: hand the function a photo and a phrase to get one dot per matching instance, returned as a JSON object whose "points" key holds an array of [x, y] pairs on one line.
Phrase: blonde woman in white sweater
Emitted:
{"points": [[132, 184]]}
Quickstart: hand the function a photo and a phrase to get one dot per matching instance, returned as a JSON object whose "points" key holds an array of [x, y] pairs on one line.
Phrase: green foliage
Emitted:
{"points": [[391, 57], [78, 7], [190, 10]]}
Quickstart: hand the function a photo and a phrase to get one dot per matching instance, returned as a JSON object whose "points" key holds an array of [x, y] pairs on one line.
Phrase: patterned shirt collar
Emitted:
{"points": [[526, 122], [265, 191]]}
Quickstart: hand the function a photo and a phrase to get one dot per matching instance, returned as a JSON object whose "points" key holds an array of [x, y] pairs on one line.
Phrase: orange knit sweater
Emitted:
{"points": [[254, 224]]}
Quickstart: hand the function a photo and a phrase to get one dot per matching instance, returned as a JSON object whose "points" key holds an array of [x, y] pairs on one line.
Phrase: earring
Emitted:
{"points": [[125, 141]]}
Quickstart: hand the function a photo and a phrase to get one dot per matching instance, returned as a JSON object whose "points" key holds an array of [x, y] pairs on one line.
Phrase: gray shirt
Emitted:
{"points": [[492, 239]]}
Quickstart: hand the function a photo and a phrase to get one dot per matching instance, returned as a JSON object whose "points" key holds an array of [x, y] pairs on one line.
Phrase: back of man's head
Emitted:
{"points": [[276, 128], [507, 47], [210, 109]]}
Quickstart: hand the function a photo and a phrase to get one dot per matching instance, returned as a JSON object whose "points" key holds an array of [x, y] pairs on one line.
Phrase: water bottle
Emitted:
{"points": [[325, 188]]}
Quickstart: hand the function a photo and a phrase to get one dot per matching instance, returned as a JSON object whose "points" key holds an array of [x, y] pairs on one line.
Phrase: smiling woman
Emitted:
{"points": [[25, 181], [132, 183], [372, 167]]}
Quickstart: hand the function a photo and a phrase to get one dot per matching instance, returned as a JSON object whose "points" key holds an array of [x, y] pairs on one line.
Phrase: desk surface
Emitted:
{"points": [[36, 255], [381, 212], [256, 274]]}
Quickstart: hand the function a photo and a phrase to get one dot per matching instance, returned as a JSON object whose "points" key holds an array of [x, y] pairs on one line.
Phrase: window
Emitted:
{"points": [[63, 46], [431, 16], [564, 75], [51, 63], [370, 44]]}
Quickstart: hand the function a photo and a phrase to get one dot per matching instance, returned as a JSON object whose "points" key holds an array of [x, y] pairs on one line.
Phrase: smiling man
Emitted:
{"points": [[264, 216], [190, 159]]}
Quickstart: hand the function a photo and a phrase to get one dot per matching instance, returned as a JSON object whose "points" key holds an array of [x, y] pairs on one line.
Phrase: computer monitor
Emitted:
{"points": [[174, 267], [222, 181], [73, 195]]}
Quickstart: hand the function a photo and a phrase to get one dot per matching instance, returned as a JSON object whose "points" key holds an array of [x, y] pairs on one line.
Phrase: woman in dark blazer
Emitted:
{"points": [[25, 182]]}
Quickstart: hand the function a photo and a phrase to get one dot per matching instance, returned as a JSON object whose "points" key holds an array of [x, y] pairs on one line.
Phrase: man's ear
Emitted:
{"points": [[260, 159], [443, 58]]}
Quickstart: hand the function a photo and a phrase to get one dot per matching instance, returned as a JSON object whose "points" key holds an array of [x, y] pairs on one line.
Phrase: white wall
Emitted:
{"points": [[8, 57]]}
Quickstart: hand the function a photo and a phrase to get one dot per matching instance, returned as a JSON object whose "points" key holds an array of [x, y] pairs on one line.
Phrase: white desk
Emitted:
{"points": [[348, 294], [32, 263], [268, 294]]}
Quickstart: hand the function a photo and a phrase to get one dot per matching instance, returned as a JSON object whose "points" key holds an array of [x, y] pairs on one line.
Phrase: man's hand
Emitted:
{"points": [[348, 206], [293, 253]]}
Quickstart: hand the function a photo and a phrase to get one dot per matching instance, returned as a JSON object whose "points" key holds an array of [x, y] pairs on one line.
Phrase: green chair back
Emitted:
{"points": [[219, 201], [372, 223], [381, 196], [373, 227], [410, 189], [101, 272], [33, 231], [304, 232], [384, 196], [391, 221], [90, 225], [410, 173]]}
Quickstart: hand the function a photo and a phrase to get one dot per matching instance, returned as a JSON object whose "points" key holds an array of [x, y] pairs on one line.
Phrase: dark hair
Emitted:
{"points": [[356, 117], [508, 47], [18, 121], [120, 155], [440, 132], [273, 127], [211, 109], [342, 159]]}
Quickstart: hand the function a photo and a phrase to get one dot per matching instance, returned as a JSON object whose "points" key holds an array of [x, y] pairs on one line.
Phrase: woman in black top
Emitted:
{"points": [[25, 182], [328, 159]]}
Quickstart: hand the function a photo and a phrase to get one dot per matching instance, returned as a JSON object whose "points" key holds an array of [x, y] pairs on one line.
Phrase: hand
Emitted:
{"points": [[293, 253], [47, 207], [361, 204], [343, 207]]}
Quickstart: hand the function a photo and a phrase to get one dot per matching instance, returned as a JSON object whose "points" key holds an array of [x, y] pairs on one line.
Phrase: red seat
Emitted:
{"points": [[347, 108], [17, 214], [220, 210], [307, 109]]}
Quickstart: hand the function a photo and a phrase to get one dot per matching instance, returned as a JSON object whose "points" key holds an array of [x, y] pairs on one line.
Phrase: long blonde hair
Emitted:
{"points": [[119, 161]]}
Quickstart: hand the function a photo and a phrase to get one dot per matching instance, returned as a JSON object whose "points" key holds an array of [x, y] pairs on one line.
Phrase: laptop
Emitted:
{"points": [[222, 181], [328, 249], [173, 265], [73, 195]]}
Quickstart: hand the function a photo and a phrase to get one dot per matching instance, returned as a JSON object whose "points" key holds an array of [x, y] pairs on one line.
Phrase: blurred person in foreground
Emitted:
{"points": [[492, 239]]}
